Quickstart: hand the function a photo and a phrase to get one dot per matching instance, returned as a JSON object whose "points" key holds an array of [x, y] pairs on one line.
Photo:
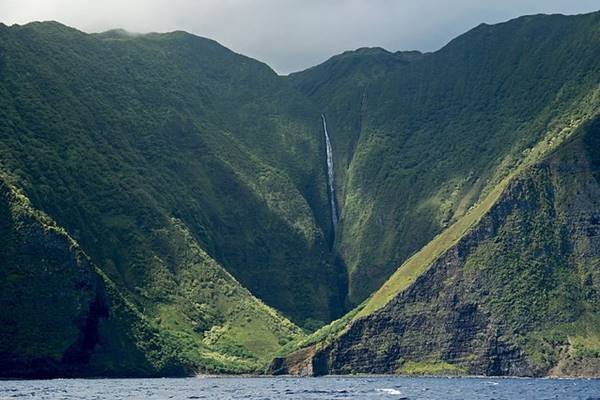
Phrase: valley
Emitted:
{"points": [[169, 207]]}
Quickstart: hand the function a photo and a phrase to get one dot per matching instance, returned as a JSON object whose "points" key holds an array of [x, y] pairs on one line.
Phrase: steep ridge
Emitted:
{"points": [[62, 316], [39, 262], [421, 138], [55, 304], [114, 135], [325, 351], [516, 295]]}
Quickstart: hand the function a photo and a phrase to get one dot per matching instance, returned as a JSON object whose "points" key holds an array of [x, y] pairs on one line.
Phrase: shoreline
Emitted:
{"points": [[349, 376]]}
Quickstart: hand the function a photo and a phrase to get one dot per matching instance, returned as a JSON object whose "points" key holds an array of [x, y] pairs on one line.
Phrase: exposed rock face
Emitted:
{"points": [[301, 363], [513, 297]]}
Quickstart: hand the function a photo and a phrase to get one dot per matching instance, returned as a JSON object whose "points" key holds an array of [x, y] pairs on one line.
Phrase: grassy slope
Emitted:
{"points": [[73, 320], [542, 267], [114, 135], [420, 139], [409, 271]]}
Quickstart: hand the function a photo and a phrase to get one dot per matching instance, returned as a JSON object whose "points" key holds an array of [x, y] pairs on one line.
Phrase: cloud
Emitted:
{"points": [[291, 35]]}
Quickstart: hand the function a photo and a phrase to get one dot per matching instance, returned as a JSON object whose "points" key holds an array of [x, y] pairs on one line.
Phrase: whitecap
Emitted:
{"points": [[389, 391]]}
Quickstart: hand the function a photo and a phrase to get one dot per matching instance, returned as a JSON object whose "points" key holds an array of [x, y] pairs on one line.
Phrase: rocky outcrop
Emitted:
{"points": [[301, 363]]}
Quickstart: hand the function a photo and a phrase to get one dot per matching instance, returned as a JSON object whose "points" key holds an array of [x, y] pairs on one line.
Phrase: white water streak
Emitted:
{"points": [[330, 174]]}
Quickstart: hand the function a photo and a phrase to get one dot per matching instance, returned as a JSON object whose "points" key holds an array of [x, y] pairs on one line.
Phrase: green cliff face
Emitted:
{"points": [[49, 293], [517, 294], [493, 124], [421, 138], [164, 206], [115, 136]]}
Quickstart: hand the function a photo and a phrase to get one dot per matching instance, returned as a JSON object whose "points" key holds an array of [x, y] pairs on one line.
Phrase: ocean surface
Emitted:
{"points": [[303, 388]]}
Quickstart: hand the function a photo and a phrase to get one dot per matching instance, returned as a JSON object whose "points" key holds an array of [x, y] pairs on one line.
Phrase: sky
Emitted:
{"points": [[292, 35]]}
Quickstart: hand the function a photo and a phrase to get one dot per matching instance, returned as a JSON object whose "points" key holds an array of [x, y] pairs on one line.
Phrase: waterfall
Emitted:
{"points": [[330, 175]]}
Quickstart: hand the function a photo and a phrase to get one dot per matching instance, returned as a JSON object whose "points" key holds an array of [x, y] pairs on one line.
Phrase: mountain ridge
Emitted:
{"points": [[194, 179], [314, 355], [411, 107]]}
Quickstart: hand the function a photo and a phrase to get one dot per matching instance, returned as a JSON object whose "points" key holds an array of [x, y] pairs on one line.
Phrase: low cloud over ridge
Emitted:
{"points": [[291, 35]]}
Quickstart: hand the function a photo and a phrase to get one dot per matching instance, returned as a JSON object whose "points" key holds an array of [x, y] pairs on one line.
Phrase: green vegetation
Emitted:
{"points": [[324, 335], [164, 209], [71, 319], [579, 341], [421, 138], [516, 294], [409, 271], [430, 368], [113, 135], [426, 178]]}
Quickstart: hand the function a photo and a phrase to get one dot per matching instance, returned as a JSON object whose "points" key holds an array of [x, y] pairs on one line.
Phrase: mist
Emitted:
{"points": [[291, 35]]}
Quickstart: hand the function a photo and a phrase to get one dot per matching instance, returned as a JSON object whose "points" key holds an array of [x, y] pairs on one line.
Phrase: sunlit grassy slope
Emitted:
{"points": [[409, 271], [65, 317]]}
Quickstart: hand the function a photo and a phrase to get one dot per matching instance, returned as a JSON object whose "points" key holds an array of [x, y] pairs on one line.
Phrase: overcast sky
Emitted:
{"points": [[291, 35]]}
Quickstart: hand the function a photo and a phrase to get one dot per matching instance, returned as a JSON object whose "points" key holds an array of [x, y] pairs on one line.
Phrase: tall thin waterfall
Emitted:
{"points": [[330, 175]]}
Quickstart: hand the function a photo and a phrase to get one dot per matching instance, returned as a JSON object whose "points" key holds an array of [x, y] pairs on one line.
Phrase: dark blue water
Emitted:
{"points": [[380, 388]]}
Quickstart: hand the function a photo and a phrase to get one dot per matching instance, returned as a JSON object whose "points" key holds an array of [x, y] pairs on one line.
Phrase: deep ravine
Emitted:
{"points": [[330, 175]]}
